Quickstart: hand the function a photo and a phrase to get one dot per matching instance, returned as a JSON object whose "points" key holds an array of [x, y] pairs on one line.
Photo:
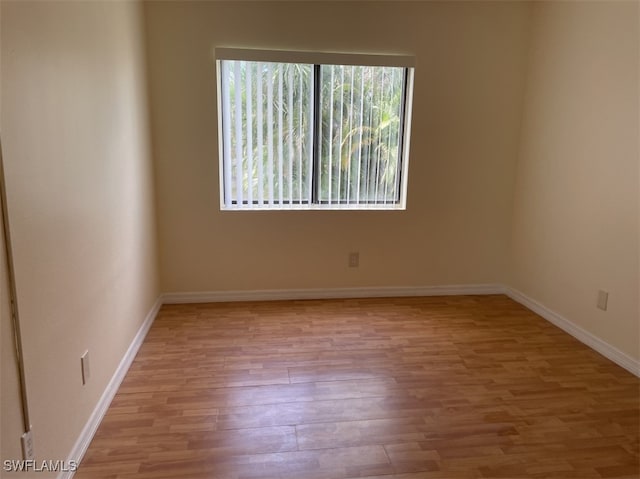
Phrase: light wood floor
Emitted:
{"points": [[447, 387]]}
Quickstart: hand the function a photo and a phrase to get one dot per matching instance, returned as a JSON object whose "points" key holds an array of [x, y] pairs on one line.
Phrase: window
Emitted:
{"points": [[313, 130]]}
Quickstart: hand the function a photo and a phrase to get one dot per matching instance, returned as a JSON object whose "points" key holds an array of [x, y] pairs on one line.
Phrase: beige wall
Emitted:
{"points": [[575, 227], [80, 195], [466, 116]]}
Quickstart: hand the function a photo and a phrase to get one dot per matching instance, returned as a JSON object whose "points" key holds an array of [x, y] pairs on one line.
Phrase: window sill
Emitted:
{"points": [[347, 207]]}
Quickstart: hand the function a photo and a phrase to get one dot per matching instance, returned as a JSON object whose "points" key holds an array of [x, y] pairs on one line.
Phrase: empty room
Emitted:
{"points": [[320, 239]]}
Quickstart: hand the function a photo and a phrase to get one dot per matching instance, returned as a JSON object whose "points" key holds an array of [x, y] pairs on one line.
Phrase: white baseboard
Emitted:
{"points": [[334, 293], [607, 350], [90, 428]]}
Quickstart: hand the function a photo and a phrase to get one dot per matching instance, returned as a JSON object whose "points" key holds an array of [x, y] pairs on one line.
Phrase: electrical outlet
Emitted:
{"points": [[28, 452], [603, 299], [354, 259], [84, 365]]}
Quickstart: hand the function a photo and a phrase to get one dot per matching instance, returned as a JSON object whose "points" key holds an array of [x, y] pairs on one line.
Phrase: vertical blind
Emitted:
{"points": [[311, 134]]}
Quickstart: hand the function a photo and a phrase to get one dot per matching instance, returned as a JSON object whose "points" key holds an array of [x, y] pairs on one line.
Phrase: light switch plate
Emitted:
{"points": [[28, 452]]}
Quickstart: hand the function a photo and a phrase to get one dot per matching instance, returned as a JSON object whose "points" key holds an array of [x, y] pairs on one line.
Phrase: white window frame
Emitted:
{"points": [[322, 58]]}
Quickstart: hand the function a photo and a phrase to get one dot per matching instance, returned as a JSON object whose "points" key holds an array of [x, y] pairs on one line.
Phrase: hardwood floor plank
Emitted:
{"points": [[246, 441], [318, 411], [410, 457], [325, 464], [361, 433]]}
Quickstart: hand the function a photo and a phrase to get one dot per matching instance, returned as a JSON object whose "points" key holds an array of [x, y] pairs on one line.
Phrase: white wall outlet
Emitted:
{"points": [[84, 365], [354, 259], [603, 299], [28, 452]]}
